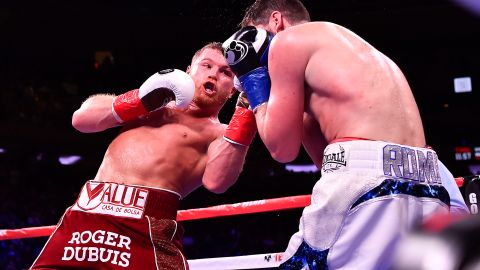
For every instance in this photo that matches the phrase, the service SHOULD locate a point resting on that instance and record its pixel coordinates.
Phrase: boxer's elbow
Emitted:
(78, 122)
(83, 123)
(282, 148)
(218, 176)
(283, 157)
(215, 187)
(283, 153)
(219, 183)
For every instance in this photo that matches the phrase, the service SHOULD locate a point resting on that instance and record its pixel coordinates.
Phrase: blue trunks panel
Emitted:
(305, 255)
(392, 187)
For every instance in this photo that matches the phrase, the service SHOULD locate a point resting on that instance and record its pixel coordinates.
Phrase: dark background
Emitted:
(48, 67)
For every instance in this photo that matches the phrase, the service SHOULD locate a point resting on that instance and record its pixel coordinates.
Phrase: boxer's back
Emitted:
(165, 151)
(353, 90)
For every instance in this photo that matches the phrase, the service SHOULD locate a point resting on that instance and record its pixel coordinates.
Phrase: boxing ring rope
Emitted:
(225, 263)
(259, 206)
(255, 261)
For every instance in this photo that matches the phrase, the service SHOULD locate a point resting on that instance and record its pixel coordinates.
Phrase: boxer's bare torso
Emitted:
(166, 150)
(171, 148)
(345, 86)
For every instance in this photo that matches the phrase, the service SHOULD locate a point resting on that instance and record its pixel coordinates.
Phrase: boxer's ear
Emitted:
(276, 22)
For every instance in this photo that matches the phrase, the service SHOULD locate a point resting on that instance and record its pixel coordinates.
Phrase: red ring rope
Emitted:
(250, 207)
(190, 214)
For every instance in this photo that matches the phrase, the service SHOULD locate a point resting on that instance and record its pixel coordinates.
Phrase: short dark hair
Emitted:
(259, 12)
(211, 45)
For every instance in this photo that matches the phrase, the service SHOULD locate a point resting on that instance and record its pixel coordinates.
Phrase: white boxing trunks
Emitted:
(370, 194)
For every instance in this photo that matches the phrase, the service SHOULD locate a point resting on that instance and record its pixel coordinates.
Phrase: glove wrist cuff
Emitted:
(256, 85)
(242, 127)
(128, 106)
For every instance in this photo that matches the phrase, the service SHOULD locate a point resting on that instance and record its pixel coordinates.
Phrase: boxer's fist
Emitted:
(247, 49)
(165, 86)
(246, 52)
(158, 90)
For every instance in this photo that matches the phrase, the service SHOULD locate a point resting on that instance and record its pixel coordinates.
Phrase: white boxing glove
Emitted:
(158, 90)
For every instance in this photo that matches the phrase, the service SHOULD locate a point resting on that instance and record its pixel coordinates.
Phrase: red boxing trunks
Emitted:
(116, 226)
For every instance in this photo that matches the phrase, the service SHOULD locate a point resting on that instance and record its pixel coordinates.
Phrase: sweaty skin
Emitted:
(333, 85)
(174, 149)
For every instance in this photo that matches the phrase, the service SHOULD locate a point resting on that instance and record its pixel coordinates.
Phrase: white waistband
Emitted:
(383, 159)
(141, 186)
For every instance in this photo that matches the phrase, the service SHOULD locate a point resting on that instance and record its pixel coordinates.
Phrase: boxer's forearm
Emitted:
(260, 119)
(224, 165)
(263, 129)
(95, 114)
(282, 140)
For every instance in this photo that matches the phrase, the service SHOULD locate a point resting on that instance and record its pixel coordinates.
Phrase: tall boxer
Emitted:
(352, 109)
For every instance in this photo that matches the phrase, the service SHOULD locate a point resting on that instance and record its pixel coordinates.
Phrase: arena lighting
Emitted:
(463, 153)
(474, 169)
(2, 150)
(470, 5)
(309, 168)
(476, 151)
(69, 160)
(462, 84)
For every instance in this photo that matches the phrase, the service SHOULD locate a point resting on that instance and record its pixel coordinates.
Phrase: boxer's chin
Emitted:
(204, 100)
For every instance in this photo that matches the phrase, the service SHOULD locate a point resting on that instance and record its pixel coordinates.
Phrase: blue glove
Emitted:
(246, 52)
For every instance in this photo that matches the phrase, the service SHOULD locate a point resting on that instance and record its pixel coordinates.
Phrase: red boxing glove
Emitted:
(242, 127)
